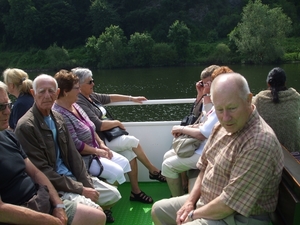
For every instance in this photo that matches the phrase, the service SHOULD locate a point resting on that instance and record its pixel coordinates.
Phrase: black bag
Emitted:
(188, 120)
(191, 118)
(114, 133)
(88, 159)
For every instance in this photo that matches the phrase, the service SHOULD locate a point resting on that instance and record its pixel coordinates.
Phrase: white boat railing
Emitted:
(155, 136)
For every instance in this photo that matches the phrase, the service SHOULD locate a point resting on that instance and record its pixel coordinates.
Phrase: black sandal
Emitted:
(157, 176)
(109, 217)
(141, 197)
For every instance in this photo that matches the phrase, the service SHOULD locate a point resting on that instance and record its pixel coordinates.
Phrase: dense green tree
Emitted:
(140, 47)
(179, 34)
(260, 33)
(21, 23)
(102, 16)
(111, 44)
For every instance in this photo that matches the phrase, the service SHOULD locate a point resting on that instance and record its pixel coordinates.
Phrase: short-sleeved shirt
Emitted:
(16, 187)
(243, 168)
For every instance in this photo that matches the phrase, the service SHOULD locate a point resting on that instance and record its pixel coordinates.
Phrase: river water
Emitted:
(173, 82)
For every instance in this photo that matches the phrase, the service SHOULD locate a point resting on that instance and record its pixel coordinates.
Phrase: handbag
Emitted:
(92, 160)
(191, 118)
(185, 145)
(114, 133)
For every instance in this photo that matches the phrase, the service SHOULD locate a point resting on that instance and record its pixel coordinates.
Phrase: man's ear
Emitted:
(249, 98)
(32, 92)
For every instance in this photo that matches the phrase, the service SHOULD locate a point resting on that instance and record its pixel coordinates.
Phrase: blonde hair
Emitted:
(19, 78)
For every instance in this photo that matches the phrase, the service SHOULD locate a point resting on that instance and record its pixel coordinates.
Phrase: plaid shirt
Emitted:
(243, 168)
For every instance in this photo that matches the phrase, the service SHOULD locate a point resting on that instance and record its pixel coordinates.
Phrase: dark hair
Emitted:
(65, 80)
(276, 80)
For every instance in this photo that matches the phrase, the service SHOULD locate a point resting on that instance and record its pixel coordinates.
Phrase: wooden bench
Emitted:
(288, 207)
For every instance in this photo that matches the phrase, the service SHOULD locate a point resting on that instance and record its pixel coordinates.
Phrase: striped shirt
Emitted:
(82, 129)
(243, 168)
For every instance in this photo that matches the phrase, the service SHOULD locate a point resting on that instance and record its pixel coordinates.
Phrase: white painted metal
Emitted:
(155, 137)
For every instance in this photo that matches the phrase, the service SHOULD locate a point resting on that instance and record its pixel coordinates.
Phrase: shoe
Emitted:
(157, 176)
(109, 217)
(141, 197)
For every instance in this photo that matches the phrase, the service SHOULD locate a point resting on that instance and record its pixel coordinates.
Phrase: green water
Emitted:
(172, 82)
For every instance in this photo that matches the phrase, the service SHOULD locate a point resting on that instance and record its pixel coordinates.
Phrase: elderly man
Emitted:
(50, 147)
(26, 194)
(240, 168)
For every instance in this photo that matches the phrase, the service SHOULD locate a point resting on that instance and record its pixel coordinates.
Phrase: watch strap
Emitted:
(61, 206)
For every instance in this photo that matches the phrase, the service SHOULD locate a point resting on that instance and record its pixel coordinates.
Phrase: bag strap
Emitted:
(198, 119)
(97, 106)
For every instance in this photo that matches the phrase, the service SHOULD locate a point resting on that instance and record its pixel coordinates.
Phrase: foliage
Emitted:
(111, 47)
(220, 55)
(140, 49)
(102, 16)
(260, 34)
(163, 55)
(179, 34)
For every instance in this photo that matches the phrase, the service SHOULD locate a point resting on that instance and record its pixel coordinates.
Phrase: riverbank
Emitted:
(55, 57)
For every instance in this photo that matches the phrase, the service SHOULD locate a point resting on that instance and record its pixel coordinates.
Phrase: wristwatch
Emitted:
(190, 215)
(61, 206)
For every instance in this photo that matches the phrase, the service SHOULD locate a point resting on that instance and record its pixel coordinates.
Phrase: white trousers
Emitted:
(113, 169)
(173, 165)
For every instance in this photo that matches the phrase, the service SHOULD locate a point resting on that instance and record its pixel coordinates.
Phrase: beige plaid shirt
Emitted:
(244, 168)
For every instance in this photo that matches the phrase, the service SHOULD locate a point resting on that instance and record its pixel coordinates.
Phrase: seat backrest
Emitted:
(288, 207)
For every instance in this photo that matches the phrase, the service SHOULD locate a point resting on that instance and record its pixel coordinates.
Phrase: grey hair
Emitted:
(3, 86)
(82, 73)
(40, 77)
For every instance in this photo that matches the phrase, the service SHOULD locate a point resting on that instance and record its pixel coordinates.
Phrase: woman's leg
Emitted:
(173, 166)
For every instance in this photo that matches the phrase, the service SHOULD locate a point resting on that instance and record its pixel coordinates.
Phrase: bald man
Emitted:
(240, 168)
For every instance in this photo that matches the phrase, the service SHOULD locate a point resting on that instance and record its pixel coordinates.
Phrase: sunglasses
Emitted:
(3, 106)
(90, 82)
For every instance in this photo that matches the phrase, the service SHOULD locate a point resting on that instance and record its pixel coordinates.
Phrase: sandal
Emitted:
(157, 176)
(141, 197)
(109, 217)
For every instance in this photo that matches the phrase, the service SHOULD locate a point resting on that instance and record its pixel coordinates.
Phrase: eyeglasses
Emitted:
(90, 82)
(76, 88)
(3, 106)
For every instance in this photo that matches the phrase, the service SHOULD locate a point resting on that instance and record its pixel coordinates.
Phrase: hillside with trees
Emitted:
(70, 31)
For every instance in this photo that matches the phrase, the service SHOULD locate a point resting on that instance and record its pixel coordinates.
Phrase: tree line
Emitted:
(44, 27)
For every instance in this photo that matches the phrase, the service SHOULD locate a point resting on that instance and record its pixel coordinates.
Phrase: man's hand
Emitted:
(90, 193)
(183, 212)
(61, 215)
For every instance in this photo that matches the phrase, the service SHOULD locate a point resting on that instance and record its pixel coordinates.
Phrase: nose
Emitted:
(226, 116)
(6, 110)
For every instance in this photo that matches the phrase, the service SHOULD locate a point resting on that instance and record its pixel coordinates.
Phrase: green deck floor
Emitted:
(126, 212)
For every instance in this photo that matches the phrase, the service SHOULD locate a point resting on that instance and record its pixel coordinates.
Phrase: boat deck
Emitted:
(127, 212)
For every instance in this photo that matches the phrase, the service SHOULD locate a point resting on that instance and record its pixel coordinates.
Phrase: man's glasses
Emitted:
(91, 82)
(3, 106)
